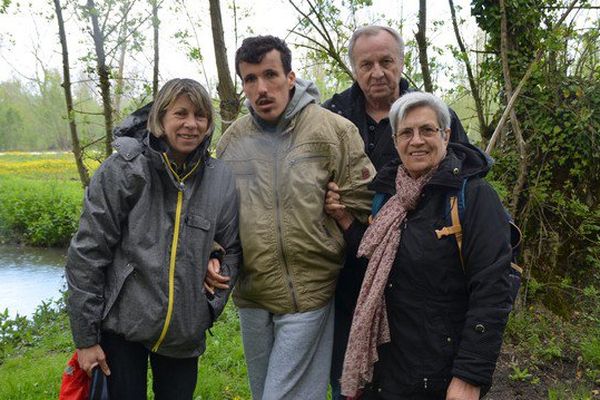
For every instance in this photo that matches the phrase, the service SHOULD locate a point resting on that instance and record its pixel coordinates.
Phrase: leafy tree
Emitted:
(557, 200)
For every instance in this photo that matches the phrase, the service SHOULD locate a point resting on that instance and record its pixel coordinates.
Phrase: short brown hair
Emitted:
(169, 93)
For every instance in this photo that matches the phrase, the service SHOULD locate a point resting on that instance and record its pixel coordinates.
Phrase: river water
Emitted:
(28, 276)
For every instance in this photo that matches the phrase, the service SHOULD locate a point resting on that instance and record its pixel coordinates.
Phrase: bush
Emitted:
(39, 213)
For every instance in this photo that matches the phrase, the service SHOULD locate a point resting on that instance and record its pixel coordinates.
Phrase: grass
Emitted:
(32, 364)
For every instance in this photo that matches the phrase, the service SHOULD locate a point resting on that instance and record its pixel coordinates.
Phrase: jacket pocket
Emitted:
(115, 283)
(197, 221)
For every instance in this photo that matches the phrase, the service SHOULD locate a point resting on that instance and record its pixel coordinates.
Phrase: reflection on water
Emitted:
(29, 276)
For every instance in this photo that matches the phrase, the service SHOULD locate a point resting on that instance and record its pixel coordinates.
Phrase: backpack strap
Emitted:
(378, 201)
(456, 207)
(455, 229)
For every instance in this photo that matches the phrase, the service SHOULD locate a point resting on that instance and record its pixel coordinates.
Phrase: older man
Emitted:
(283, 155)
(376, 57)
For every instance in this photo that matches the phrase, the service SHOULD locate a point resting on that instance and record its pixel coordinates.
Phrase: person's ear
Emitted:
(446, 135)
(291, 78)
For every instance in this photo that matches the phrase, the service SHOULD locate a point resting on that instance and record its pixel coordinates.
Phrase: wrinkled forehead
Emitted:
(374, 45)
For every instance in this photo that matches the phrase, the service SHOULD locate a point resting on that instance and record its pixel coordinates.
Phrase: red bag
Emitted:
(75, 382)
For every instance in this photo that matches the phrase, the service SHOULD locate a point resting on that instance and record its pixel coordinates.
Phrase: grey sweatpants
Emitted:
(288, 355)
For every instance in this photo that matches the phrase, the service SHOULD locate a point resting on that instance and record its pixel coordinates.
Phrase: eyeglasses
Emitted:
(426, 132)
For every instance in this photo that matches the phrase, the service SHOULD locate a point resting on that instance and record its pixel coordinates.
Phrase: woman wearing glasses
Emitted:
(429, 318)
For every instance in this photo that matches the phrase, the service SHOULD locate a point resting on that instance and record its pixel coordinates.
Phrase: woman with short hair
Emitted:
(136, 266)
(430, 318)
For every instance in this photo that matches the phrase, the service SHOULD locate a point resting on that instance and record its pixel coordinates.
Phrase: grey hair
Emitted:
(372, 30)
(411, 100)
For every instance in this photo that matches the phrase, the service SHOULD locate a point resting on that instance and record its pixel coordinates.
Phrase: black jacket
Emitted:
(445, 322)
(351, 104)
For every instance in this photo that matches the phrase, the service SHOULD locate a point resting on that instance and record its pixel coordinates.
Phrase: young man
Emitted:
(283, 155)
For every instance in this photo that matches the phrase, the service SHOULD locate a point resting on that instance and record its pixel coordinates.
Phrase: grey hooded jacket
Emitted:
(292, 250)
(137, 264)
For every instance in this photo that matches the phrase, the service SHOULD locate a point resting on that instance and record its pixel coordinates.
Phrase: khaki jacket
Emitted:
(292, 251)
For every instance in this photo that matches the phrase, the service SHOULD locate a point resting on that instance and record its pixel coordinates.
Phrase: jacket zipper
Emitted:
(173, 256)
(288, 276)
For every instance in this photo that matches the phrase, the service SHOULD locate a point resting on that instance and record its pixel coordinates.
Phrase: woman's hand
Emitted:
(461, 390)
(334, 207)
(213, 279)
(91, 357)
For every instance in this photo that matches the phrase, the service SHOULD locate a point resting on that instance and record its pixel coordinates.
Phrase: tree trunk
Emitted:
(483, 126)
(84, 176)
(103, 75)
(421, 38)
(155, 25)
(516, 126)
(119, 75)
(230, 103)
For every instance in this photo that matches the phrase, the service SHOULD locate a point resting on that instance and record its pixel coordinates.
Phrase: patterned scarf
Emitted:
(370, 327)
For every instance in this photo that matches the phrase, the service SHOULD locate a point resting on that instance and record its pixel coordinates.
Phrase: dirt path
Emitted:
(564, 375)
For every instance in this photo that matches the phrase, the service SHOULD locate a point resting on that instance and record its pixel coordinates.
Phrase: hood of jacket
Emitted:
(135, 126)
(463, 160)
(303, 94)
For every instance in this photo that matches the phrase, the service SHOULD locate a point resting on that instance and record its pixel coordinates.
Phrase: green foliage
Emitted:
(590, 350)
(559, 208)
(519, 374)
(564, 392)
(323, 30)
(534, 333)
(39, 213)
(44, 329)
(34, 352)
(222, 373)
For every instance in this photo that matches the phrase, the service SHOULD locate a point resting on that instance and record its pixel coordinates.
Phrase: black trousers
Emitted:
(173, 378)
